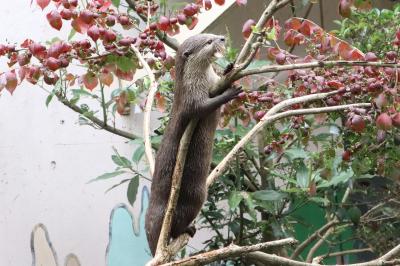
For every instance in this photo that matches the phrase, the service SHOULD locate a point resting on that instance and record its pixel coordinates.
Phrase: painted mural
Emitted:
(127, 244)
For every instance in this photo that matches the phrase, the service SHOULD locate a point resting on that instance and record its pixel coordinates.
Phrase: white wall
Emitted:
(46, 159)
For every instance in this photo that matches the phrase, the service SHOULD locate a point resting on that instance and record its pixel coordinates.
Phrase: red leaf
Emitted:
(11, 81)
(345, 8)
(193, 23)
(26, 43)
(90, 81)
(54, 19)
(161, 103)
(79, 25)
(106, 77)
(128, 76)
(43, 3)
(355, 55)
(293, 24)
(241, 2)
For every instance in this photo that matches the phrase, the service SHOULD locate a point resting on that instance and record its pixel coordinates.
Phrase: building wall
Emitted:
(47, 158)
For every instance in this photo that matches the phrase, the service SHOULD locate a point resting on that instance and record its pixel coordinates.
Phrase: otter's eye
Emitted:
(209, 42)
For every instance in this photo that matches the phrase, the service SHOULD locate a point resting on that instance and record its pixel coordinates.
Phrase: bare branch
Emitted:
(164, 252)
(229, 252)
(278, 68)
(340, 253)
(319, 243)
(268, 259)
(273, 6)
(147, 110)
(270, 117)
(98, 121)
(311, 238)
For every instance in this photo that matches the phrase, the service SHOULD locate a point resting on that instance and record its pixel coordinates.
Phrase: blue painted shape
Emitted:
(127, 241)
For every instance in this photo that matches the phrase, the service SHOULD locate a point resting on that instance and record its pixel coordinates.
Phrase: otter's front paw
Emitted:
(190, 230)
(228, 68)
(233, 92)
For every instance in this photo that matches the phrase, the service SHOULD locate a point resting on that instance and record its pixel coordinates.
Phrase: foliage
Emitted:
(306, 161)
(361, 29)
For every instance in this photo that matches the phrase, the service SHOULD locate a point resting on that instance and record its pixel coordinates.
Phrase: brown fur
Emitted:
(194, 78)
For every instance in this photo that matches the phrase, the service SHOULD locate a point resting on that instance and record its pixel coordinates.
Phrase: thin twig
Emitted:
(278, 68)
(270, 117)
(340, 253)
(311, 238)
(147, 110)
(229, 252)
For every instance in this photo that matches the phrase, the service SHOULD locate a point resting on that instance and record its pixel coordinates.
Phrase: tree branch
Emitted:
(340, 253)
(98, 121)
(229, 252)
(273, 260)
(147, 110)
(164, 252)
(278, 68)
(270, 117)
(319, 243)
(273, 6)
(311, 238)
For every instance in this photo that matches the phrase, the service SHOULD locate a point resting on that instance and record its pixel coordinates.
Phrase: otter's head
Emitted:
(201, 49)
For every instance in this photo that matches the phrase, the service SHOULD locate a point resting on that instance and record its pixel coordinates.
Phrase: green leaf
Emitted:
(124, 63)
(133, 189)
(116, 3)
(81, 92)
(296, 153)
(250, 206)
(49, 98)
(354, 214)
(116, 185)
(121, 161)
(319, 200)
(71, 34)
(341, 177)
(107, 176)
(138, 154)
(268, 195)
(302, 176)
(234, 200)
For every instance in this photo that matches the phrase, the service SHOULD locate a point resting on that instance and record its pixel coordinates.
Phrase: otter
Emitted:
(194, 78)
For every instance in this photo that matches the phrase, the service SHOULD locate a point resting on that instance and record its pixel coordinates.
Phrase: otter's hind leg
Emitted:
(154, 220)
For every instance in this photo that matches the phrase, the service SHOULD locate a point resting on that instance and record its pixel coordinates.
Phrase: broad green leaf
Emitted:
(124, 63)
(250, 205)
(341, 177)
(302, 175)
(121, 161)
(234, 200)
(296, 153)
(268, 195)
(107, 176)
(133, 189)
(138, 154)
(116, 3)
